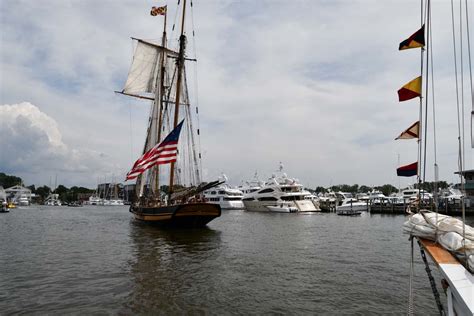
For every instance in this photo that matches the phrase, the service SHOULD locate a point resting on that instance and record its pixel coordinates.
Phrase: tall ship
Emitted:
(168, 174)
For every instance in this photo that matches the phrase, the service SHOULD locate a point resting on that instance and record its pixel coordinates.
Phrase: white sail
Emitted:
(143, 73)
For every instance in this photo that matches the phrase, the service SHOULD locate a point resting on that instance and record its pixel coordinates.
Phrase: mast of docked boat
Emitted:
(420, 129)
(180, 66)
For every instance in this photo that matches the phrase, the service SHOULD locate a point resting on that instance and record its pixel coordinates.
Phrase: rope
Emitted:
(430, 56)
(432, 281)
(410, 288)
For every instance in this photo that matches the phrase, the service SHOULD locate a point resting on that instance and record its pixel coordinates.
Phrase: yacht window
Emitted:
(265, 191)
(291, 198)
(249, 199)
(268, 198)
(221, 192)
(213, 192)
(232, 199)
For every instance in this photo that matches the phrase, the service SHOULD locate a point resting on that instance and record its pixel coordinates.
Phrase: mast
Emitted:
(180, 65)
(160, 111)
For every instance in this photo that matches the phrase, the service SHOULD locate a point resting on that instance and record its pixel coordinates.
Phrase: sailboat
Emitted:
(158, 74)
(448, 241)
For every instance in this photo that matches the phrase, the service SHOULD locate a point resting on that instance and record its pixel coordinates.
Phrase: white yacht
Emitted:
(345, 202)
(53, 200)
(112, 202)
(225, 196)
(94, 200)
(280, 194)
(410, 195)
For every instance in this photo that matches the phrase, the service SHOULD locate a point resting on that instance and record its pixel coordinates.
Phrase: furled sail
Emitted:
(143, 73)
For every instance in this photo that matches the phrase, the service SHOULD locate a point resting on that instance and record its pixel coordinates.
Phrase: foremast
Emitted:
(180, 68)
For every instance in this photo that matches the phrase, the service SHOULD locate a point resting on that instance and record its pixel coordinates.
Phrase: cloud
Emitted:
(309, 83)
(32, 147)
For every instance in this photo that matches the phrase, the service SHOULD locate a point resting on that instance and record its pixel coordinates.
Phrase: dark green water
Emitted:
(98, 260)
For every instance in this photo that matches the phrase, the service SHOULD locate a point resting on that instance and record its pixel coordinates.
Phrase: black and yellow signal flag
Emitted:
(410, 90)
(412, 132)
(414, 41)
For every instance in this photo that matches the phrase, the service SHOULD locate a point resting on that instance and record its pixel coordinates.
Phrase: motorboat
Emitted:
(279, 193)
(226, 196)
(345, 202)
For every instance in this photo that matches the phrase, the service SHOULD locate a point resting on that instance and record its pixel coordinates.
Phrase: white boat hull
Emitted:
(354, 207)
(264, 206)
(306, 206)
(228, 205)
(282, 209)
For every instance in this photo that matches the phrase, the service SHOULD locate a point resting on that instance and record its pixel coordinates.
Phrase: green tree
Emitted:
(7, 181)
(320, 190)
(43, 191)
(63, 192)
(364, 189)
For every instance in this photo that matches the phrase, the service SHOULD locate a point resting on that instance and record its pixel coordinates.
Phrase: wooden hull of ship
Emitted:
(179, 215)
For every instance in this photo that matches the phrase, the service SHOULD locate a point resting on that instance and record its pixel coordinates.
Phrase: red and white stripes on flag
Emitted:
(162, 153)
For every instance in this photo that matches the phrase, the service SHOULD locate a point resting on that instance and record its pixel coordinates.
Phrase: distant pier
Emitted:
(385, 207)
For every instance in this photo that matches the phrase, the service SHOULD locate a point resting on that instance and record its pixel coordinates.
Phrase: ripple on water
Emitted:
(97, 260)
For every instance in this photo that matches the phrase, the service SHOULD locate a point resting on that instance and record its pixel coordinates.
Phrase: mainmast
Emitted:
(180, 66)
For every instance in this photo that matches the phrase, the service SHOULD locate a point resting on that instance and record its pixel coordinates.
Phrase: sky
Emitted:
(310, 84)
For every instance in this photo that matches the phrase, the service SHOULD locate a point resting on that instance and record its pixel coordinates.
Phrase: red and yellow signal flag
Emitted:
(412, 132)
(415, 40)
(158, 10)
(410, 90)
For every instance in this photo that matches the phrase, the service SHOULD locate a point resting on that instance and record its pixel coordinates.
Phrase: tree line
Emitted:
(386, 189)
(65, 194)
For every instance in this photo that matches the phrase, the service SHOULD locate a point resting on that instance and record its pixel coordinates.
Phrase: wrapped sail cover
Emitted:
(145, 68)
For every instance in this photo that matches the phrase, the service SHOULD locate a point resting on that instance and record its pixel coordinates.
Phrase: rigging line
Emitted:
(420, 136)
(131, 133)
(196, 91)
(455, 68)
(428, 51)
(430, 55)
(459, 119)
(470, 71)
(410, 286)
(175, 19)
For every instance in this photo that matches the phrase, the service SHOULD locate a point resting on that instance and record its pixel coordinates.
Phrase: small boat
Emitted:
(3, 208)
(348, 212)
(348, 203)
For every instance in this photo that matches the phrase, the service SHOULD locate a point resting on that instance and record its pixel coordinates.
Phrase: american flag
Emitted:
(163, 153)
(158, 11)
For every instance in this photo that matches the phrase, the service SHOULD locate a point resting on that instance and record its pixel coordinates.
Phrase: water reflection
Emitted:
(170, 265)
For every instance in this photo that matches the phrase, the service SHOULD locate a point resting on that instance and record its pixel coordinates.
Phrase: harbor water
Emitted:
(99, 260)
